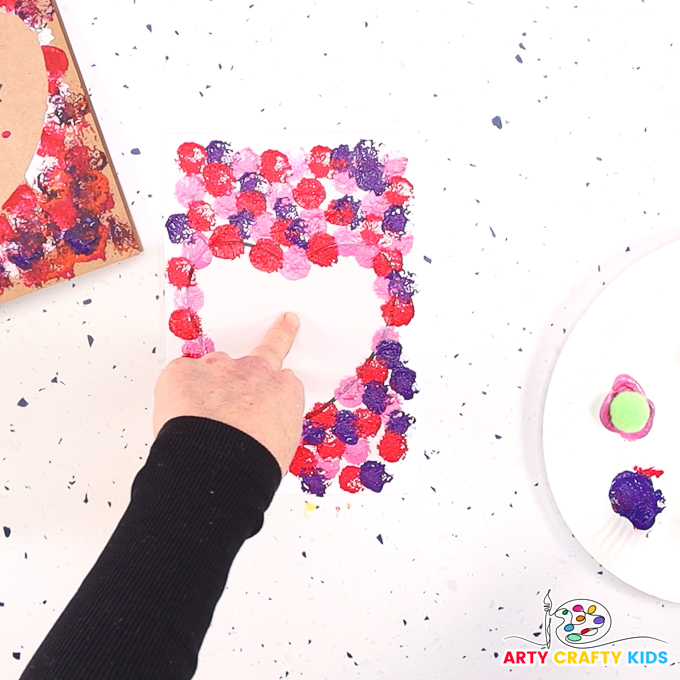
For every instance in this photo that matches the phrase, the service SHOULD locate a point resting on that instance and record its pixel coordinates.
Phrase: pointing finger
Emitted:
(278, 340)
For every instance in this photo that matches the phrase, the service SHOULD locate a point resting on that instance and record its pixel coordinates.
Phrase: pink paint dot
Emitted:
(6, 134)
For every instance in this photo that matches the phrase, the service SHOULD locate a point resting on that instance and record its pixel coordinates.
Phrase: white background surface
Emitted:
(523, 226)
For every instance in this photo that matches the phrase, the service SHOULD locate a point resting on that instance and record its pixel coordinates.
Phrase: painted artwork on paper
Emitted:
(62, 212)
(289, 214)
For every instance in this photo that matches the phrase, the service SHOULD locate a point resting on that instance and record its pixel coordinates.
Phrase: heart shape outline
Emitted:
(276, 214)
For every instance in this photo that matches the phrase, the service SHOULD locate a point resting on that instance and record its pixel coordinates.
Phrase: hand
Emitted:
(252, 394)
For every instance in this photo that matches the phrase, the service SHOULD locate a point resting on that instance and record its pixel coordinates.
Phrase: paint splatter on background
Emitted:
(70, 216)
(291, 212)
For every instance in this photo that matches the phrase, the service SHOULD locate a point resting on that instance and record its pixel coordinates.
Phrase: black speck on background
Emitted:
(22, 402)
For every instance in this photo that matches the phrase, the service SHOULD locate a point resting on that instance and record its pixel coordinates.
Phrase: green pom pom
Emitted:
(629, 411)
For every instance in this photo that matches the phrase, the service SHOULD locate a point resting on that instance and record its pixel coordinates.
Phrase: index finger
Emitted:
(278, 340)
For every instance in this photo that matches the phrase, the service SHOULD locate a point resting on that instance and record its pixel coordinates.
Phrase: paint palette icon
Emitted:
(582, 622)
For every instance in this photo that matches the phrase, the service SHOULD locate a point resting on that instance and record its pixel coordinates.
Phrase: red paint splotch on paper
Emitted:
(67, 215)
(293, 212)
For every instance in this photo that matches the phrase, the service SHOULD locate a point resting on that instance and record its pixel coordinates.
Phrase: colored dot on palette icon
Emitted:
(6, 134)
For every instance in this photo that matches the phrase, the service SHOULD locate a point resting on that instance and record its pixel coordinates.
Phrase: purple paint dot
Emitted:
(84, 237)
(375, 397)
(218, 152)
(178, 228)
(341, 158)
(399, 422)
(632, 495)
(296, 233)
(285, 209)
(390, 352)
(395, 220)
(312, 435)
(244, 220)
(314, 483)
(400, 285)
(402, 381)
(344, 428)
(366, 168)
(373, 476)
(253, 181)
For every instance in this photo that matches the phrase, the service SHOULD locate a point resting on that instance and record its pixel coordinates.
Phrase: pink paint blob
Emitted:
(295, 264)
(191, 298)
(6, 134)
(395, 166)
(374, 205)
(198, 347)
(189, 188)
(315, 221)
(344, 183)
(262, 227)
(245, 160)
(356, 453)
(381, 288)
(225, 206)
(196, 250)
(350, 392)
(624, 383)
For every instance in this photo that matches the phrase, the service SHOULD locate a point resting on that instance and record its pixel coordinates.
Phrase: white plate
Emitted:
(632, 327)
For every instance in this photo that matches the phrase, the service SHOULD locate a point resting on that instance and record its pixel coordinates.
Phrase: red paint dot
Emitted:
(185, 324)
(274, 166)
(349, 479)
(181, 272)
(323, 415)
(392, 447)
(309, 194)
(192, 158)
(320, 161)
(252, 201)
(225, 242)
(397, 312)
(6, 134)
(372, 369)
(367, 423)
(266, 255)
(303, 461)
(323, 250)
(387, 261)
(331, 449)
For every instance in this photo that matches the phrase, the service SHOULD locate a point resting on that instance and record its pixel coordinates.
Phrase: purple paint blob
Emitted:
(351, 203)
(178, 228)
(296, 233)
(341, 158)
(366, 168)
(400, 285)
(218, 152)
(390, 352)
(402, 381)
(344, 428)
(312, 435)
(633, 496)
(314, 483)
(399, 422)
(373, 476)
(285, 209)
(244, 220)
(253, 181)
(375, 397)
(395, 220)
(84, 237)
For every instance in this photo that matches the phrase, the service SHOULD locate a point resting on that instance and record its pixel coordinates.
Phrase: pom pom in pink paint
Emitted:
(626, 410)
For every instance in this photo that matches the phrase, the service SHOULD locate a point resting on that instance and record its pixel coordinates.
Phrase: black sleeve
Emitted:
(143, 610)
